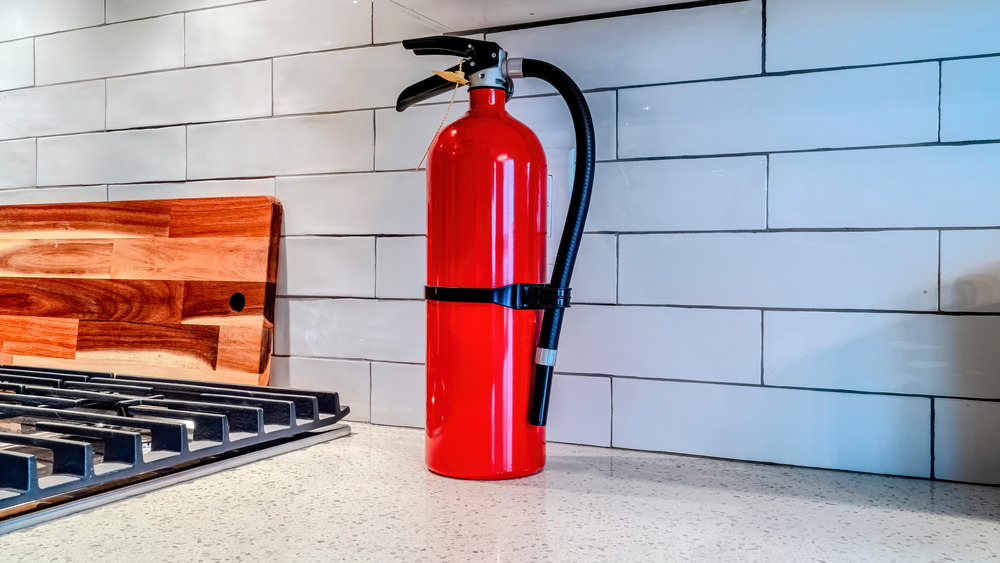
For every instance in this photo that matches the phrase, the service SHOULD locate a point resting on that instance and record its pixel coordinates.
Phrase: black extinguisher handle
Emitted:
(479, 52)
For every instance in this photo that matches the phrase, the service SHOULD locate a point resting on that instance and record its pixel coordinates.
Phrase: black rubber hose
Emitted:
(579, 203)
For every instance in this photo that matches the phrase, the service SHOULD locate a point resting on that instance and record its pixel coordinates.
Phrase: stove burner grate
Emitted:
(65, 434)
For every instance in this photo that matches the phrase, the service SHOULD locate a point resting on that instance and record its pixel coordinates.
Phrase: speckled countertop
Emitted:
(368, 497)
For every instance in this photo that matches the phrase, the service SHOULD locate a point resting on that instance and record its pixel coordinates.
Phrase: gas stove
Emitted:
(73, 440)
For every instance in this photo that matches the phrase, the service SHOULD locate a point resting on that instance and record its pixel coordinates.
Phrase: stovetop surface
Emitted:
(66, 434)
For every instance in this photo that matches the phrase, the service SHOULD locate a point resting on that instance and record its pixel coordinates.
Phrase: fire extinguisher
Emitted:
(492, 322)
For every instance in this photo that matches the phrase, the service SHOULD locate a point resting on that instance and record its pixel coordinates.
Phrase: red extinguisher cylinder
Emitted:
(486, 229)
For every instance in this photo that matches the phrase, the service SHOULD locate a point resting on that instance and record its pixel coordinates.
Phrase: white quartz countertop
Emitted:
(368, 497)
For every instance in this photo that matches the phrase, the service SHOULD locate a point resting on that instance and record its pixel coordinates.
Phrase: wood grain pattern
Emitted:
(227, 217)
(55, 258)
(229, 259)
(211, 302)
(38, 336)
(240, 348)
(148, 301)
(179, 345)
(87, 220)
(141, 287)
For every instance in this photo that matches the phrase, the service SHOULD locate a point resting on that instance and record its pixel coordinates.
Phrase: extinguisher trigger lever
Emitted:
(482, 66)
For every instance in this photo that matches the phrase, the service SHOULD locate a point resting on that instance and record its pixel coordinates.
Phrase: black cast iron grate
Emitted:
(64, 433)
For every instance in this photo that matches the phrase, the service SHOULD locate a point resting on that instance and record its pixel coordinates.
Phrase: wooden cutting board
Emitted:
(171, 288)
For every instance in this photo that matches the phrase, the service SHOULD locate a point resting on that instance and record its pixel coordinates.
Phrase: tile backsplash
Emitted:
(793, 253)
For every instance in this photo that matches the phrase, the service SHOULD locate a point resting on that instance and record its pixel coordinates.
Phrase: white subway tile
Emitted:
(354, 204)
(393, 22)
(187, 96)
(279, 372)
(17, 64)
(275, 27)
(24, 18)
(75, 194)
(580, 410)
(870, 433)
(883, 353)
(53, 110)
(282, 326)
(398, 394)
(392, 331)
(595, 277)
(702, 194)
(351, 380)
(844, 108)
(966, 441)
(401, 269)
(217, 188)
(367, 77)
(670, 46)
(970, 107)
(549, 118)
(876, 270)
(327, 266)
(121, 10)
(122, 156)
(662, 343)
(970, 279)
(17, 163)
(944, 186)
(111, 50)
(813, 33)
(403, 137)
(290, 145)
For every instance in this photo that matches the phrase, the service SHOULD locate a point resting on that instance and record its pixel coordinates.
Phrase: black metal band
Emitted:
(515, 296)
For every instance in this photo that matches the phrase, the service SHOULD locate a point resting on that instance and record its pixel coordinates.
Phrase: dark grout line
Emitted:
(763, 36)
(785, 387)
(940, 81)
(762, 348)
(684, 306)
(350, 359)
(798, 230)
(811, 150)
(597, 16)
(767, 191)
(933, 417)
